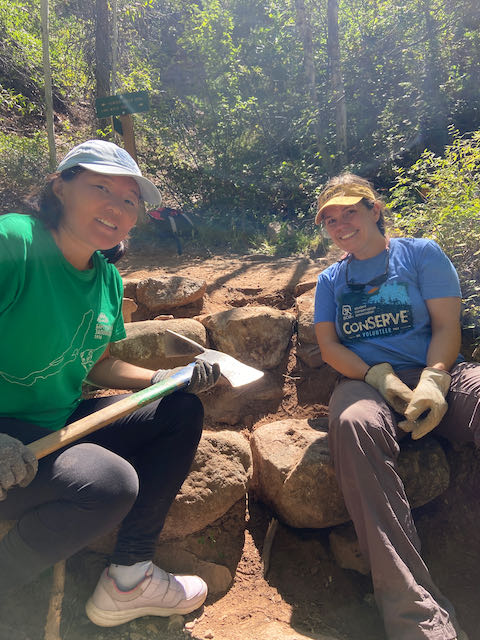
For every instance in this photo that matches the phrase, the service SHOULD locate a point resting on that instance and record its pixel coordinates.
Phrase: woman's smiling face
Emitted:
(354, 228)
(98, 210)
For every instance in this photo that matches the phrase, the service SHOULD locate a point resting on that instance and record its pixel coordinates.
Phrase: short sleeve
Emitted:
(324, 299)
(436, 274)
(118, 332)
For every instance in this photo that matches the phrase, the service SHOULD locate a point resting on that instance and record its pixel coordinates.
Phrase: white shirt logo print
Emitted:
(103, 327)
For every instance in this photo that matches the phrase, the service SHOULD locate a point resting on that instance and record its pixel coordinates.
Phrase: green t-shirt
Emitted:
(55, 322)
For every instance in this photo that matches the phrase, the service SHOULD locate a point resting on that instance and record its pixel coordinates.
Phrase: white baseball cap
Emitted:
(108, 158)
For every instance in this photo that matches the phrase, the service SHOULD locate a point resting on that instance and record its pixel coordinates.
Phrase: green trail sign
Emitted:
(122, 103)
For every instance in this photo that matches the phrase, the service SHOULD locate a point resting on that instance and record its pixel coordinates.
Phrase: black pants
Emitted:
(128, 472)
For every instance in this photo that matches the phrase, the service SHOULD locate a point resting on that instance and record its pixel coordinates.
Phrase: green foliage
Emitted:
(439, 197)
(234, 132)
(23, 165)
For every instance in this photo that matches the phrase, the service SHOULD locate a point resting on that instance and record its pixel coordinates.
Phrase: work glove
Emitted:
(383, 378)
(204, 376)
(428, 396)
(18, 465)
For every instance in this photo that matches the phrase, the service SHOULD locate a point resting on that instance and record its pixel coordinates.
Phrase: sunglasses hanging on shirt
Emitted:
(374, 282)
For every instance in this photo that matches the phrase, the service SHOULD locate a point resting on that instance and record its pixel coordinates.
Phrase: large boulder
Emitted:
(163, 293)
(219, 476)
(293, 473)
(218, 479)
(144, 345)
(258, 336)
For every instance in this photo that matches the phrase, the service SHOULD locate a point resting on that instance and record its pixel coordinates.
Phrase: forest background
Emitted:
(255, 103)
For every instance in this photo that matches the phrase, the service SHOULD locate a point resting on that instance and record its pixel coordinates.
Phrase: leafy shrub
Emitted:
(439, 197)
(23, 165)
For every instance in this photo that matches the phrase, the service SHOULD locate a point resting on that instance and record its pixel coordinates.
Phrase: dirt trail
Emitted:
(305, 595)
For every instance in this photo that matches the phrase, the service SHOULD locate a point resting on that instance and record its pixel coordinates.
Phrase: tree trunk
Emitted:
(434, 121)
(305, 30)
(103, 52)
(338, 89)
(48, 85)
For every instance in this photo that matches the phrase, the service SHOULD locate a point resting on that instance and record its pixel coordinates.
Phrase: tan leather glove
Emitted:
(383, 378)
(428, 395)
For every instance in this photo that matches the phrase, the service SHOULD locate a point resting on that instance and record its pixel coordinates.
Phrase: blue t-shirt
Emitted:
(388, 322)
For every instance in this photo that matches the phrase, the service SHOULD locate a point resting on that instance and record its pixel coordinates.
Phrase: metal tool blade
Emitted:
(236, 372)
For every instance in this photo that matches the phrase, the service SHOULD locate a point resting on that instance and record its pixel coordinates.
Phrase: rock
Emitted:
(144, 345)
(304, 306)
(175, 623)
(345, 548)
(130, 288)
(310, 355)
(160, 294)
(303, 287)
(423, 467)
(292, 473)
(171, 557)
(258, 336)
(219, 476)
(218, 479)
(227, 405)
(128, 307)
(273, 230)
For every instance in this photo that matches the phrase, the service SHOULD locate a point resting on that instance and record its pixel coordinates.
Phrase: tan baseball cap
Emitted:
(343, 195)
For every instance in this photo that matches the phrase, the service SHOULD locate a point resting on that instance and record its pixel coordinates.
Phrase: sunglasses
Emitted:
(374, 282)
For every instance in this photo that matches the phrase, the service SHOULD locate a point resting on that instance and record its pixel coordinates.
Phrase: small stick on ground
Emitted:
(267, 545)
(54, 615)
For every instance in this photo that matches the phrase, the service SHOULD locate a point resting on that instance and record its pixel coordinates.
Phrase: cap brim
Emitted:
(341, 200)
(148, 190)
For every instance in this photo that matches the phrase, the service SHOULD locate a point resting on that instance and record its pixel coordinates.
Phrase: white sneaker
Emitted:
(158, 594)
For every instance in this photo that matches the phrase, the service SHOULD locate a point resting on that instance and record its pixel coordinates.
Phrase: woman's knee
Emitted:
(188, 411)
(359, 421)
(94, 477)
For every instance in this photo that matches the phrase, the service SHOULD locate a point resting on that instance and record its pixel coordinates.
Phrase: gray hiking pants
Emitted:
(364, 446)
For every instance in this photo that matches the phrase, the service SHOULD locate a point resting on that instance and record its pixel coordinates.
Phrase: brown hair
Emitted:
(345, 182)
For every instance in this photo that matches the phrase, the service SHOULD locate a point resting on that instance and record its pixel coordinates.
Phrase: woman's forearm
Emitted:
(344, 361)
(112, 373)
(446, 332)
(444, 348)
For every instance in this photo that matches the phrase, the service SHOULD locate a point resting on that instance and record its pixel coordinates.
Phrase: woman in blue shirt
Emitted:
(387, 317)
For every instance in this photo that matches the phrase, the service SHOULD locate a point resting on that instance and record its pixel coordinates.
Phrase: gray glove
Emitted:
(204, 376)
(18, 465)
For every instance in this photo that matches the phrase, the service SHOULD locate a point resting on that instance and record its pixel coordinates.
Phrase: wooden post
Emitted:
(54, 614)
(48, 85)
(129, 135)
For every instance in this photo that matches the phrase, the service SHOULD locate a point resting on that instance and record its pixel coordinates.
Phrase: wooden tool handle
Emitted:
(80, 428)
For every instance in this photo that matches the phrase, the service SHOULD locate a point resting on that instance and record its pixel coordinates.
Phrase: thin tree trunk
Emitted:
(338, 89)
(305, 30)
(48, 85)
(103, 52)
(434, 121)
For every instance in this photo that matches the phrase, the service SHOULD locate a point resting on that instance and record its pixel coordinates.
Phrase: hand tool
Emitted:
(233, 370)
(80, 428)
